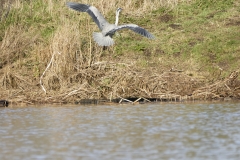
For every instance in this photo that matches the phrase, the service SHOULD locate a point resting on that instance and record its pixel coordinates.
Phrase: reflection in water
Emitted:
(152, 131)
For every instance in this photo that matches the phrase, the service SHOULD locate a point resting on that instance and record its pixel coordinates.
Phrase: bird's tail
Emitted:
(102, 40)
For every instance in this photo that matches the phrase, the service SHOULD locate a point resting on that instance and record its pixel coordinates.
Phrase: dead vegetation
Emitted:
(228, 87)
(111, 81)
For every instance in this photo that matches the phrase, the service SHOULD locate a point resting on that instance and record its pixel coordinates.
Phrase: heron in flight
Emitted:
(104, 38)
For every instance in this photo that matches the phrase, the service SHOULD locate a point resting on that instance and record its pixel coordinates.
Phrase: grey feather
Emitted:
(91, 10)
(134, 28)
(104, 38)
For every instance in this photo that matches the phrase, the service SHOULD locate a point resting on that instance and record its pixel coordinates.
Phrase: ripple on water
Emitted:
(153, 131)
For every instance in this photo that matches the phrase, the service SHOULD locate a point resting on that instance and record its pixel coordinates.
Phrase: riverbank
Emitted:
(48, 55)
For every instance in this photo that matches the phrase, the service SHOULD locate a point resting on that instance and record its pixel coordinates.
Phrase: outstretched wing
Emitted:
(134, 28)
(91, 10)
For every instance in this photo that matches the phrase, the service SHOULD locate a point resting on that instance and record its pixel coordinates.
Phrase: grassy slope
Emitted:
(200, 38)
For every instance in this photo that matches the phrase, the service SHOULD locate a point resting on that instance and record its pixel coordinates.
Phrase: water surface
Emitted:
(149, 131)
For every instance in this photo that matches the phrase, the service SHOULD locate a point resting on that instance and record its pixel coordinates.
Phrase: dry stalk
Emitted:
(218, 89)
(49, 64)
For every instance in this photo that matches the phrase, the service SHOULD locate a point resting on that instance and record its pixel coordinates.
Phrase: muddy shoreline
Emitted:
(131, 101)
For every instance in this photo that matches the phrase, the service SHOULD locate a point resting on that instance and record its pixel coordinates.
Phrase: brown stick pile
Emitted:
(229, 87)
(108, 81)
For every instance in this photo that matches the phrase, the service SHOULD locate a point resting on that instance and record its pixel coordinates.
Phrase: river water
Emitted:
(122, 132)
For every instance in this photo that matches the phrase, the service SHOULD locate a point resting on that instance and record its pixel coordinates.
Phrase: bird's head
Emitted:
(119, 9)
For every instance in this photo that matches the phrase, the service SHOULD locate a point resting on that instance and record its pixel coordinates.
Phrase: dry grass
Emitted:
(229, 87)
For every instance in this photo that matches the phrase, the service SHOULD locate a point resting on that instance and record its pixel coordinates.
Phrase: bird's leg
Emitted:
(104, 48)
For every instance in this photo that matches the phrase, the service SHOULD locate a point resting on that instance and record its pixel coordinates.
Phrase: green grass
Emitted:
(204, 34)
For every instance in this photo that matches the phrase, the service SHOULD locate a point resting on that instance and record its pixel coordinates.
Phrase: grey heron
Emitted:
(104, 38)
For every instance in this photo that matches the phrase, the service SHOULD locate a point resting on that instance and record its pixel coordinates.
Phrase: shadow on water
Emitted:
(4, 103)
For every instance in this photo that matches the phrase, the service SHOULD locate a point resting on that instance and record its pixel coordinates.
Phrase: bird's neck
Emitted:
(117, 15)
